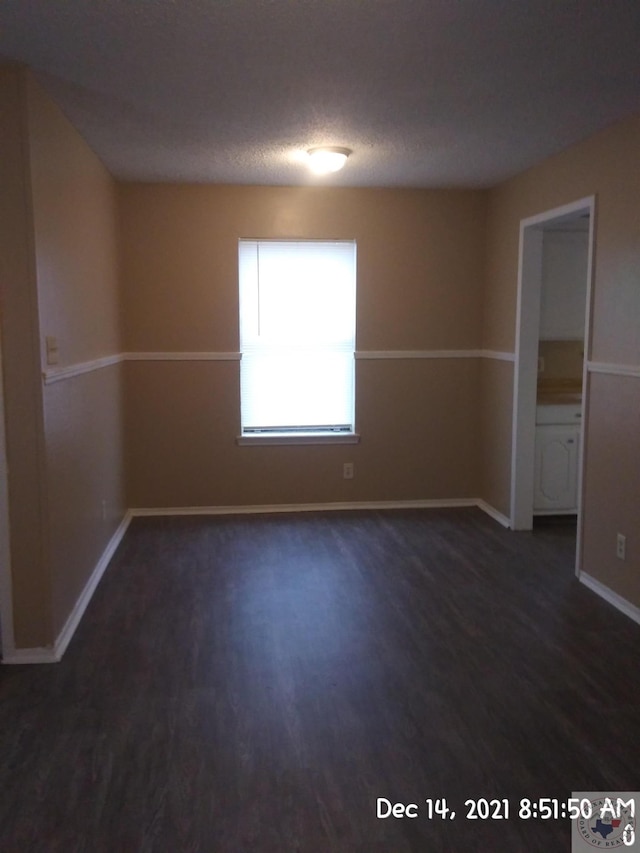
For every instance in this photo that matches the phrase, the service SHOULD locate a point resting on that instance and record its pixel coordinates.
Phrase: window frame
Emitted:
(302, 435)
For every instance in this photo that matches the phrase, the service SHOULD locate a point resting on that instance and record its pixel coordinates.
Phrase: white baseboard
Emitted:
(611, 597)
(64, 637)
(495, 514)
(54, 654)
(336, 506)
(46, 654)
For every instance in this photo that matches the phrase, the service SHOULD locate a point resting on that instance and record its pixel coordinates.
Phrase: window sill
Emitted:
(306, 438)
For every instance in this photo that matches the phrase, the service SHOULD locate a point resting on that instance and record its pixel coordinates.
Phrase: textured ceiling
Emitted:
(427, 93)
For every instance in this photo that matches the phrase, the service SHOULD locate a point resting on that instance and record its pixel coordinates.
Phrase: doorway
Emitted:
(531, 274)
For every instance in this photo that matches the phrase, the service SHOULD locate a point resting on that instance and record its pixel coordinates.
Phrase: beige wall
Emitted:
(420, 260)
(420, 267)
(613, 483)
(75, 229)
(59, 277)
(21, 373)
(74, 212)
(496, 425)
(562, 360)
(84, 468)
(605, 165)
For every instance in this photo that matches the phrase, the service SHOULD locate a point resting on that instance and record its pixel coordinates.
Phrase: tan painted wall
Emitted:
(420, 268)
(21, 373)
(606, 165)
(496, 425)
(75, 228)
(613, 483)
(562, 360)
(74, 211)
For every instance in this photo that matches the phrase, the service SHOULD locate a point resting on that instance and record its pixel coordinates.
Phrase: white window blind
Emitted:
(297, 335)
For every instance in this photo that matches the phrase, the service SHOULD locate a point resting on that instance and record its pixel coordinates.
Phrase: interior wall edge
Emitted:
(24, 410)
(54, 653)
(72, 217)
(73, 620)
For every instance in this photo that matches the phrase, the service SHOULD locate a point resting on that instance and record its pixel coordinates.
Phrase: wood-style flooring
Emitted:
(255, 683)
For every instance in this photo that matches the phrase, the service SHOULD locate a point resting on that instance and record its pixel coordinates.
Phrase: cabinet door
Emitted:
(556, 468)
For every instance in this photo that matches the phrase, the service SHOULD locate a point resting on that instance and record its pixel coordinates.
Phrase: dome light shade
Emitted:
(325, 160)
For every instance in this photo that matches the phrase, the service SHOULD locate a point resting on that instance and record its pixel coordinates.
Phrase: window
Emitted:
(297, 337)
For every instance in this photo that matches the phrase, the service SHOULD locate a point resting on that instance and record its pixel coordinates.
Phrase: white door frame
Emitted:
(6, 593)
(526, 364)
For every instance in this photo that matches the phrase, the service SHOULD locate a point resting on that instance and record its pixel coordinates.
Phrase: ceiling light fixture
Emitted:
(325, 160)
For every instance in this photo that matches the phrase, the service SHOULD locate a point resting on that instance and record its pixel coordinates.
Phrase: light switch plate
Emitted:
(51, 344)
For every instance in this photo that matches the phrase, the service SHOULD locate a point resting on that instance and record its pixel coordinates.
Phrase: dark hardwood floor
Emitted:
(255, 683)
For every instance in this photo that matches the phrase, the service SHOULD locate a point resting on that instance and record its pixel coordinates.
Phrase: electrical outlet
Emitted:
(347, 471)
(621, 547)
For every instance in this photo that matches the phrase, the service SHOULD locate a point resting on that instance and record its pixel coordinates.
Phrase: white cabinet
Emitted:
(557, 456)
(556, 468)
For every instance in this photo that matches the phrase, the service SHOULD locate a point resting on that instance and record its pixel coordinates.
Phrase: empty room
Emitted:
(319, 426)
